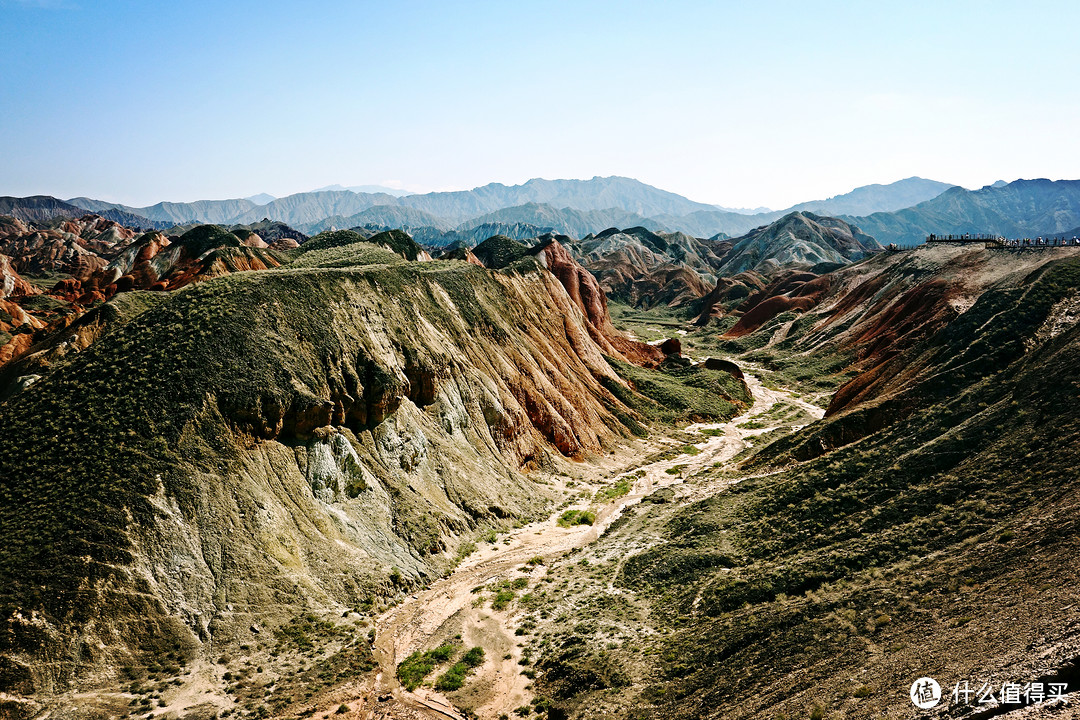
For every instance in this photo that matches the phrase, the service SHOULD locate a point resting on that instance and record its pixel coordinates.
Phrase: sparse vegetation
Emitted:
(413, 669)
(577, 517)
(454, 678)
(679, 393)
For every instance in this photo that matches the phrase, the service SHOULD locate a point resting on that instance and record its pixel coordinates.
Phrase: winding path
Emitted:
(447, 606)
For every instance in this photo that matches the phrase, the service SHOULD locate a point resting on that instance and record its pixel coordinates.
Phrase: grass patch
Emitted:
(502, 599)
(571, 518)
(413, 669)
(680, 393)
(618, 490)
(454, 678)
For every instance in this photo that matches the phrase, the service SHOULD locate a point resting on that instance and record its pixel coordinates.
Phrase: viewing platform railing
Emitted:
(965, 238)
(999, 242)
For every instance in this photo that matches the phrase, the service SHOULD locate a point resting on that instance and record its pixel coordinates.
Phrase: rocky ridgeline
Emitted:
(314, 436)
(646, 269)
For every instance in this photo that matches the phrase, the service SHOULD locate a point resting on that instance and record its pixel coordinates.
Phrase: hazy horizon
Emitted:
(372, 188)
(724, 104)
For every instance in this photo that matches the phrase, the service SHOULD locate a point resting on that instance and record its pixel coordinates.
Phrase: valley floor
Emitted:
(451, 607)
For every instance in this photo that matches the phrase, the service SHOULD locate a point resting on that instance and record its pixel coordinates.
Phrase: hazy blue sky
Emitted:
(737, 103)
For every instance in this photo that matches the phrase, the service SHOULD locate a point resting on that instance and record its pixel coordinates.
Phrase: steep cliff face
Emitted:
(583, 288)
(12, 285)
(305, 437)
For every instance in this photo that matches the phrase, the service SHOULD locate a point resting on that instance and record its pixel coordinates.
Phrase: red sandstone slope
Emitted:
(791, 291)
(586, 293)
(12, 285)
(74, 247)
(17, 326)
(874, 312)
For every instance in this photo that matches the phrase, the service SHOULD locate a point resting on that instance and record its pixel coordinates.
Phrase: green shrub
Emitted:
(413, 669)
(454, 678)
(502, 600)
(576, 517)
(618, 490)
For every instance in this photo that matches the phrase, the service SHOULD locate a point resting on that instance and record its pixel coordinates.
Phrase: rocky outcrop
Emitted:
(461, 253)
(586, 293)
(671, 346)
(12, 285)
(725, 365)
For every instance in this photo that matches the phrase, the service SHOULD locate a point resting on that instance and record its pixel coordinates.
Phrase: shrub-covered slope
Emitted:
(935, 541)
(306, 436)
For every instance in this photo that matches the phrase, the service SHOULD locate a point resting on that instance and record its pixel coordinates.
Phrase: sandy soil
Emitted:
(447, 609)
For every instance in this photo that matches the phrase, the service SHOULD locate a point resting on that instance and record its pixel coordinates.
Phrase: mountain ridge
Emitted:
(656, 208)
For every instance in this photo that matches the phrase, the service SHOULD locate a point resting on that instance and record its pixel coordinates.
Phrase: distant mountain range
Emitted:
(365, 189)
(902, 212)
(1023, 208)
(876, 198)
(572, 207)
(43, 208)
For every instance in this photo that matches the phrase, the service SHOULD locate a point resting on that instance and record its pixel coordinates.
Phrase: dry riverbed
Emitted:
(457, 607)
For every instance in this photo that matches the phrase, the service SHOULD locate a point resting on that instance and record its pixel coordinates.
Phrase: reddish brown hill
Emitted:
(728, 294)
(17, 327)
(103, 259)
(877, 319)
(792, 290)
(74, 247)
(586, 293)
(156, 262)
(12, 285)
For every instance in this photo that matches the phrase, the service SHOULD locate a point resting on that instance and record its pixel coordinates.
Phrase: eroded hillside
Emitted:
(921, 531)
(321, 436)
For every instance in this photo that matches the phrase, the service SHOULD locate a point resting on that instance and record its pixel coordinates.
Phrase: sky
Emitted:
(735, 103)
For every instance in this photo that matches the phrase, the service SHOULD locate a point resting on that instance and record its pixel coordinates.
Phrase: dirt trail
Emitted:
(446, 607)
